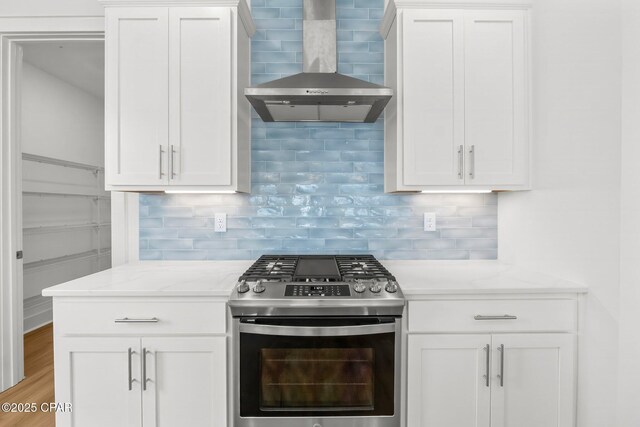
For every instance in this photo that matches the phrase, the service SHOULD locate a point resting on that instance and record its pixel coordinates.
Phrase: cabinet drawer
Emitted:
(138, 317)
(553, 315)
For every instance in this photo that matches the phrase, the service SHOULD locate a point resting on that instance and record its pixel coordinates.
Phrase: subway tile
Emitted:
(158, 233)
(286, 166)
(368, 167)
(322, 222)
(243, 233)
(264, 46)
(369, 134)
(269, 57)
(348, 178)
(367, 68)
(326, 167)
(283, 68)
(273, 222)
(376, 13)
(266, 12)
(302, 145)
(264, 155)
(351, 13)
(336, 133)
(387, 233)
(309, 244)
(259, 244)
(344, 35)
(150, 223)
(150, 255)
(215, 244)
(338, 244)
(282, 3)
(228, 254)
(348, 145)
(478, 211)
(361, 222)
(257, 79)
(276, 24)
(362, 156)
(287, 233)
(283, 35)
(361, 189)
(291, 12)
(265, 177)
(331, 200)
(388, 244)
(367, 36)
(469, 233)
(347, 212)
(318, 189)
(330, 233)
(184, 222)
(300, 211)
(294, 133)
(269, 211)
(318, 156)
(477, 243)
(301, 177)
(170, 244)
(376, 46)
(291, 46)
(434, 244)
(344, 4)
(398, 211)
(369, 4)
(350, 46)
(174, 211)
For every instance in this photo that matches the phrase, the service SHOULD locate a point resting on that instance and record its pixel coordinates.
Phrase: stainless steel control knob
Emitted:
(359, 287)
(375, 288)
(259, 288)
(243, 287)
(392, 287)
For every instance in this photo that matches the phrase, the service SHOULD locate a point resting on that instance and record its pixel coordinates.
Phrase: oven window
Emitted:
(293, 376)
(317, 378)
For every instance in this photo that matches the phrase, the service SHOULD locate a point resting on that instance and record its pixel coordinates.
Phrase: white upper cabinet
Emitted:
(459, 118)
(176, 118)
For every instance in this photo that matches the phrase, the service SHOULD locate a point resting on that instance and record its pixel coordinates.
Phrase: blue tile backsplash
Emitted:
(317, 187)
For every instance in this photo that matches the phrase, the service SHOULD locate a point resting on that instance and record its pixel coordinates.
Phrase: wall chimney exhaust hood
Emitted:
(319, 93)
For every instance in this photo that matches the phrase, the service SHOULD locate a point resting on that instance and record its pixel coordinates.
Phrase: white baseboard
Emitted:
(38, 311)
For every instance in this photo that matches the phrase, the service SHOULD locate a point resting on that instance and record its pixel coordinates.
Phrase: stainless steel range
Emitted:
(317, 343)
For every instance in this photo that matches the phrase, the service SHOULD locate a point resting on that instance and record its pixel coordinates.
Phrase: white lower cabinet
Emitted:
(473, 373)
(133, 362)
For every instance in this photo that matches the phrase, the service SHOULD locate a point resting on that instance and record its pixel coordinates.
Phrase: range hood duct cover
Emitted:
(319, 93)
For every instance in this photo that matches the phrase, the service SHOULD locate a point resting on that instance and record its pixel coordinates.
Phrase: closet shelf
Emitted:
(60, 162)
(67, 258)
(50, 194)
(63, 227)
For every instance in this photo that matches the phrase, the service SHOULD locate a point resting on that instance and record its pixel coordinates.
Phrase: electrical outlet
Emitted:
(220, 223)
(429, 221)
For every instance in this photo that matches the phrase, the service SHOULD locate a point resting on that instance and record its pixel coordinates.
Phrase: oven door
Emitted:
(323, 369)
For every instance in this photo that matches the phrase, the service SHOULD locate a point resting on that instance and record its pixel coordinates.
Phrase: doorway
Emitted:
(15, 35)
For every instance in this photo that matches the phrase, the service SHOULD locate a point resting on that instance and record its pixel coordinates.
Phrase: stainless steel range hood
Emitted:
(319, 93)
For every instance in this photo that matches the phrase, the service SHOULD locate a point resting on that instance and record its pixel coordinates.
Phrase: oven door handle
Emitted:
(317, 331)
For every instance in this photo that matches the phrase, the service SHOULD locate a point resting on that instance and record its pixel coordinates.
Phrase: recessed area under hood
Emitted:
(319, 93)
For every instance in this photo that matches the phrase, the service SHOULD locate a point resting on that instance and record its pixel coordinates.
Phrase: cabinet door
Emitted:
(496, 129)
(101, 379)
(200, 96)
(433, 91)
(446, 382)
(186, 382)
(136, 145)
(538, 380)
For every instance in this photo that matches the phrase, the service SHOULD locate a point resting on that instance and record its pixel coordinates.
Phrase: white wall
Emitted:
(60, 120)
(629, 368)
(568, 226)
(51, 8)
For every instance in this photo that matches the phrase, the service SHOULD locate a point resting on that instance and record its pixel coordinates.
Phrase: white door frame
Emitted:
(14, 31)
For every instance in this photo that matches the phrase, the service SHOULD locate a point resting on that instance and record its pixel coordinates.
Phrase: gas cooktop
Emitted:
(305, 284)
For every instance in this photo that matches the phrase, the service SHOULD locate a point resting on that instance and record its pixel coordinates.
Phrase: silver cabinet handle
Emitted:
(503, 317)
(487, 350)
(173, 160)
(501, 375)
(160, 173)
(128, 320)
(144, 369)
(472, 161)
(460, 161)
(130, 378)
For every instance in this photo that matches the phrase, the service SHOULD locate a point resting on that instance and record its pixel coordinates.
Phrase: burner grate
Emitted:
(285, 268)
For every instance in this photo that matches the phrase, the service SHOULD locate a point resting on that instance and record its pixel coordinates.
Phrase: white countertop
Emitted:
(216, 278)
(157, 278)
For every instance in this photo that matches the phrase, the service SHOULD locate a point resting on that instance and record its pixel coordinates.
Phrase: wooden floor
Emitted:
(37, 387)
